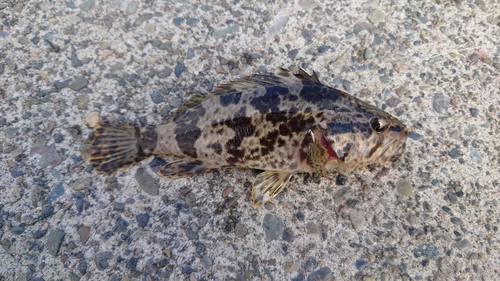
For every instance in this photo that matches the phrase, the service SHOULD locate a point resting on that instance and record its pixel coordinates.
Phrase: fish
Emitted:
(282, 124)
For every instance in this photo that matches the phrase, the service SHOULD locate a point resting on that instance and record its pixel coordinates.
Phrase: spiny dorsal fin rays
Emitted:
(249, 83)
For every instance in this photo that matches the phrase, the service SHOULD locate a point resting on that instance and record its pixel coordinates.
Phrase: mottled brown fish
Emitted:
(282, 123)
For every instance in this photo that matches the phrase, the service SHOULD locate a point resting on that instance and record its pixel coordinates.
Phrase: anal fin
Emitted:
(267, 185)
(183, 168)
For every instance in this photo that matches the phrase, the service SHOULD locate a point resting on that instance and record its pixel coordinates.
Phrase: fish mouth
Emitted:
(394, 148)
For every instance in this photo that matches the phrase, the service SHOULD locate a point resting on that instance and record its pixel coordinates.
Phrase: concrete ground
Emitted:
(431, 215)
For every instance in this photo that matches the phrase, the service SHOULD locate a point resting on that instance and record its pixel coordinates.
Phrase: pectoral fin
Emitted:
(316, 157)
(183, 168)
(267, 185)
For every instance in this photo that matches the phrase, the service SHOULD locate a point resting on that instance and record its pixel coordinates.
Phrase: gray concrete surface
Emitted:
(431, 215)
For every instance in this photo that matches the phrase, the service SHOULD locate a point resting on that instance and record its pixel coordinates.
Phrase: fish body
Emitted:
(281, 123)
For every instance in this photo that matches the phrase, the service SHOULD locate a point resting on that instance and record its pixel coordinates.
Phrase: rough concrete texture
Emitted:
(432, 215)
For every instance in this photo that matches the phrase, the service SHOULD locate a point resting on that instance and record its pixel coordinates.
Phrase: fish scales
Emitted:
(281, 123)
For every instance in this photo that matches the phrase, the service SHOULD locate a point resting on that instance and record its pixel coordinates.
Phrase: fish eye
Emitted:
(378, 125)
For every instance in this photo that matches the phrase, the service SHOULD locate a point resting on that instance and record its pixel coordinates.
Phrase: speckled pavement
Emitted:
(432, 215)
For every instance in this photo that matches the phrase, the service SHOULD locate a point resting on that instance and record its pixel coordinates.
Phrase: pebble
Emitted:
(376, 16)
(11, 132)
(346, 85)
(157, 97)
(474, 112)
(146, 182)
(474, 58)
(368, 54)
(312, 228)
(190, 53)
(178, 20)
(440, 103)
(19, 229)
(206, 261)
(427, 250)
(87, 5)
(142, 220)
(454, 153)
(323, 49)
(75, 62)
(341, 179)
(463, 245)
(16, 193)
(81, 184)
(15, 172)
(102, 260)
(240, 230)
(357, 220)
(415, 136)
(360, 26)
(384, 79)
(54, 240)
(475, 155)
(47, 211)
(121, 225)
(179, 69)
(39, 233)
(322, 274)
(61, 84)
(192, 21)
(84, 232)
(288, 235)
(311, 264)
(273, 227)
(56, 192)
(131, 7)
(456, 221)
(91, 120)
(360, 264)
(307, 34)
(81, 101)
(164, 73)
(78, 83)
(221, 32)
(293, 53)
(191, 234)
(405, 188)
(1, 68)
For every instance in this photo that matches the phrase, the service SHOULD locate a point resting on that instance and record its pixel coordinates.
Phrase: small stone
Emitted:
(463, 245)
(376, 16)
(75, 62)
(190, 53)
(360, 26)
(474, 112)
(206, 261)
(49, 157)
(15, 172)
(178, 20)
(146, 182)
(191, 234)
(322, 274)
(307, 34)
(11, 132)
(142, 220)
(54, 241)
(273, 227)
(474, 58)
(84, 232)
(220, 69)
(357, 220)
(73, 19)
(19, 229)
(164, 73)
(341, 179)
(81, 101)
(346, 85)
(157, 97)
(290, 266)
(384, 79)
(368, 54)
(179, 69)
(475, 155)
(454, 153)
(221, 32)
(440, 103)
(457, 221)
(81, 184)
(82, 267)
(426, 250)
(101, 260)
(392, 102)
(227, 191)
(39, 233)
(312, 228)
(61, 84)
(323, 49)
(79, 83)
(87, 5)
(288, 235)
(415, 136)
(192, 21)
(47, 211)
(405, 188)
(360, 264)
(16, 193)
(121, 225)
(131, 7)
(57, 192)
(293, 53)
(92, 119)
(240, 231)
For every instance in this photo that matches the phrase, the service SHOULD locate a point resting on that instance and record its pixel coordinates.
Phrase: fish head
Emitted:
(361, 138)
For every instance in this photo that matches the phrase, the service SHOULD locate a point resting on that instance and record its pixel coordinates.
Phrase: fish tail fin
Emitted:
(115, 145)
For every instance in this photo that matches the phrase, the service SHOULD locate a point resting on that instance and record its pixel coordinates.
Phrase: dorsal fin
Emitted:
(303, 75)
(249, 83)
(192, 102)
